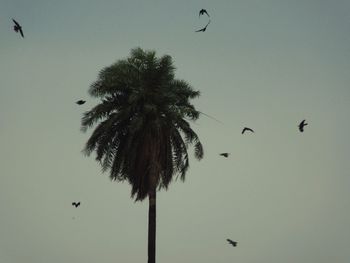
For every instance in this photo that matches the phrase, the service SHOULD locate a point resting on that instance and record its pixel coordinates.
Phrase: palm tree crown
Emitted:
(142, 131)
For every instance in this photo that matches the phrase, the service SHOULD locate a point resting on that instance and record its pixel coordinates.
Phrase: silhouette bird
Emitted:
(233, 243)
(202, 12)
(17, 27)
(80, 102)
(225, 154)
(247, 129)
(204, 28)
(301, 125)
(76, 204)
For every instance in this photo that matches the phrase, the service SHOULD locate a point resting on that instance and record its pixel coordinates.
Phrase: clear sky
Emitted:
(283, 195)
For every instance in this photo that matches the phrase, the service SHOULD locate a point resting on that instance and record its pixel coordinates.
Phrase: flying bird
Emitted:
(225, 154)
(202, 12)
(233, 243)
(80, 102)
(17, 27)
(76, 204)
(246, 129)
(301, 125)
(204, 28)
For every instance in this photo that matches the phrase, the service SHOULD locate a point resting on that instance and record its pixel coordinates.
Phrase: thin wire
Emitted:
(210, 117)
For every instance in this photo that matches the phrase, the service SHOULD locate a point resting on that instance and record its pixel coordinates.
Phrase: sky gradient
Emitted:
(282, 195)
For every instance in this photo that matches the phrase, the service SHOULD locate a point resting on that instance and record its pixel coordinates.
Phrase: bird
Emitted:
(76, 204)
(202, 12)
(204, 28)
(246, 129)
(233, 243)
(80, 102)
(17, 27)
(301, 125)
(225, 154)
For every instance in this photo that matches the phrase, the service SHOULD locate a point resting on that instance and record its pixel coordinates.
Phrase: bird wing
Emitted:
(305, 123)
(14, 21)
(205, 11)
(247, 129)
(20, 30)
(208, 23)
(301, 125)
(200, 30)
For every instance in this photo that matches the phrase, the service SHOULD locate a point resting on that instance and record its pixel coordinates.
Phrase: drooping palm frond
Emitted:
(191, 137)
(100, 112)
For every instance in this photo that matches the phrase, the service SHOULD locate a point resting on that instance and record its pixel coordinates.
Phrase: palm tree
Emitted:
(143, 131)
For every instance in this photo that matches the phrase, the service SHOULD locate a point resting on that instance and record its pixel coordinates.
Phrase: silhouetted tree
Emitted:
(142, 131)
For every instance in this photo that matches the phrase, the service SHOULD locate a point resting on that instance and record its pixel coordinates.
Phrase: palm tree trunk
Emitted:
(152, 226)
(153, 180)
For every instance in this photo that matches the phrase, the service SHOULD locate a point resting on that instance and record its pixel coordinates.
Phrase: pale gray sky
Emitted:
(284, 196)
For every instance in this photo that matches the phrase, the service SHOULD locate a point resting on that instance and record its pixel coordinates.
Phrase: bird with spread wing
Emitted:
(302, 125)
(233, 243)
(247, 129)
(204, 28)
(202, 12)
(17, 27)
(76, 204)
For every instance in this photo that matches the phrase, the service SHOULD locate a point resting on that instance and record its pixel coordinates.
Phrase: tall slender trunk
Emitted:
(153, 181)
(152, 226)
